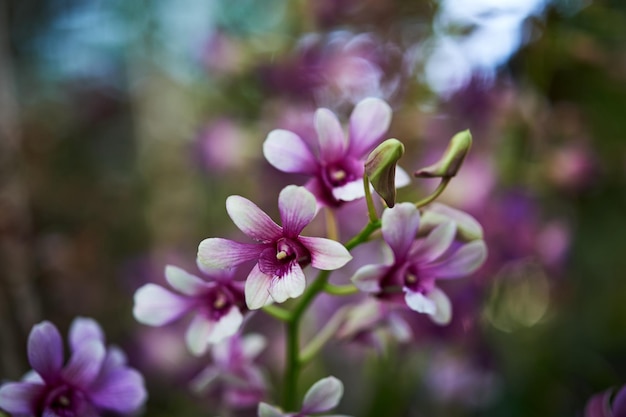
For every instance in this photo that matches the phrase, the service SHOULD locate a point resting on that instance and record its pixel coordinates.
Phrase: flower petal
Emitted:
(45, 350)
(467, 226)
(350, 191)
(20, 397)
(463, 262)
(399, 227)
(419, 302)
(226, 326)
(85, 364)
(198, 333)
(436, 243)
(156, 306)
(266, 410)
(290, 285)
(224, 253)
(252, 345)
(287, 152)
(324, 395)
(185, 282)
(122, 391)
(251, 220)
(599, 405)
(297, 208)
(330, 135)
(326, 254)
(619, 403)
(368, 277)
(369, 121)
(83, 330)
(257, 289)
(443, 306)
(402, 178)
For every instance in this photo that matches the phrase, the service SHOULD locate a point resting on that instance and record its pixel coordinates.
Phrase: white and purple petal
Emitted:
(251, 220)
(198, 334)
(330, 134)
(419, 302)
(224, 253)
(83, 330)
(45, 351)
(349, 191)
(435, 244)
(156, 306)
(368, 277)
(257, 289)
(20, 398)
(185, 282)
(461, 263)
(297, 208)
(443, 306)
(287, 152)
(323, 396)
(369, 121)
(266, 410)
(399, 227)
(290, 285)
(326, 254)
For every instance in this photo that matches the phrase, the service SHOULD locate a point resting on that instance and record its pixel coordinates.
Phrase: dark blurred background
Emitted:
(125, 125)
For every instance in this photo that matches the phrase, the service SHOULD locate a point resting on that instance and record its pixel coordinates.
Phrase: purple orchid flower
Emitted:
(602, 405)
(281, 251)
(95, 379)
(338, 170)
(234, 375)
(417, 264)
(323, 396)
(218, 304)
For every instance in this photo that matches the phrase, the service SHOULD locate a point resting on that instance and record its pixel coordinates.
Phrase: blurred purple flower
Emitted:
(222, 146)
(323, 396)
(417, 264)
(94, 380)
(219, 305)
(338, 169)
(281, 251)
(234, 375)
(602, 405)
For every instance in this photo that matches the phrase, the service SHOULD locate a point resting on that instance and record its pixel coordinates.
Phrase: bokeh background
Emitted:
(125, 125)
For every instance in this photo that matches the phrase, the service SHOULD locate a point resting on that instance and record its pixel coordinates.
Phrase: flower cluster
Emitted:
(95, 380)
(427, 243)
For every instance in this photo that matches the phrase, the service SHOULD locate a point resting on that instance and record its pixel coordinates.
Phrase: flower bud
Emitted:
(452, 158)
(380, 168)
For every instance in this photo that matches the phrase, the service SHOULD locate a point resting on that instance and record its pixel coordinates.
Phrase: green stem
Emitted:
(440, 188)
(371, 210)
(323, 336)
(277, 312)
(340, 289)
(293, 365)
(363, 235)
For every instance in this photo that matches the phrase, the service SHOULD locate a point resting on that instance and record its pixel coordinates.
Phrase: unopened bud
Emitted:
(380, 168)
(452, 158)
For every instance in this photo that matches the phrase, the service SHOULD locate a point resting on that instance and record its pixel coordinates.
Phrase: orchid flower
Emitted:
(94, 381)
(338, 169)
(218, 304)
(418, 263)
(234, 373)
(280, 252)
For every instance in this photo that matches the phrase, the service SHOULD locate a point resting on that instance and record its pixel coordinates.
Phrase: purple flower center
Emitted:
(66, 401)
(336, 175)
(279, 259)
(217, 303)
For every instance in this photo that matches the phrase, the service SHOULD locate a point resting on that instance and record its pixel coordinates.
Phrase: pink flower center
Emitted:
(65, 401)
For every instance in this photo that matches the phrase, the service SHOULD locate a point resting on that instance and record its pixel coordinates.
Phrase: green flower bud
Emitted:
(452, 158)
(380, 168)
